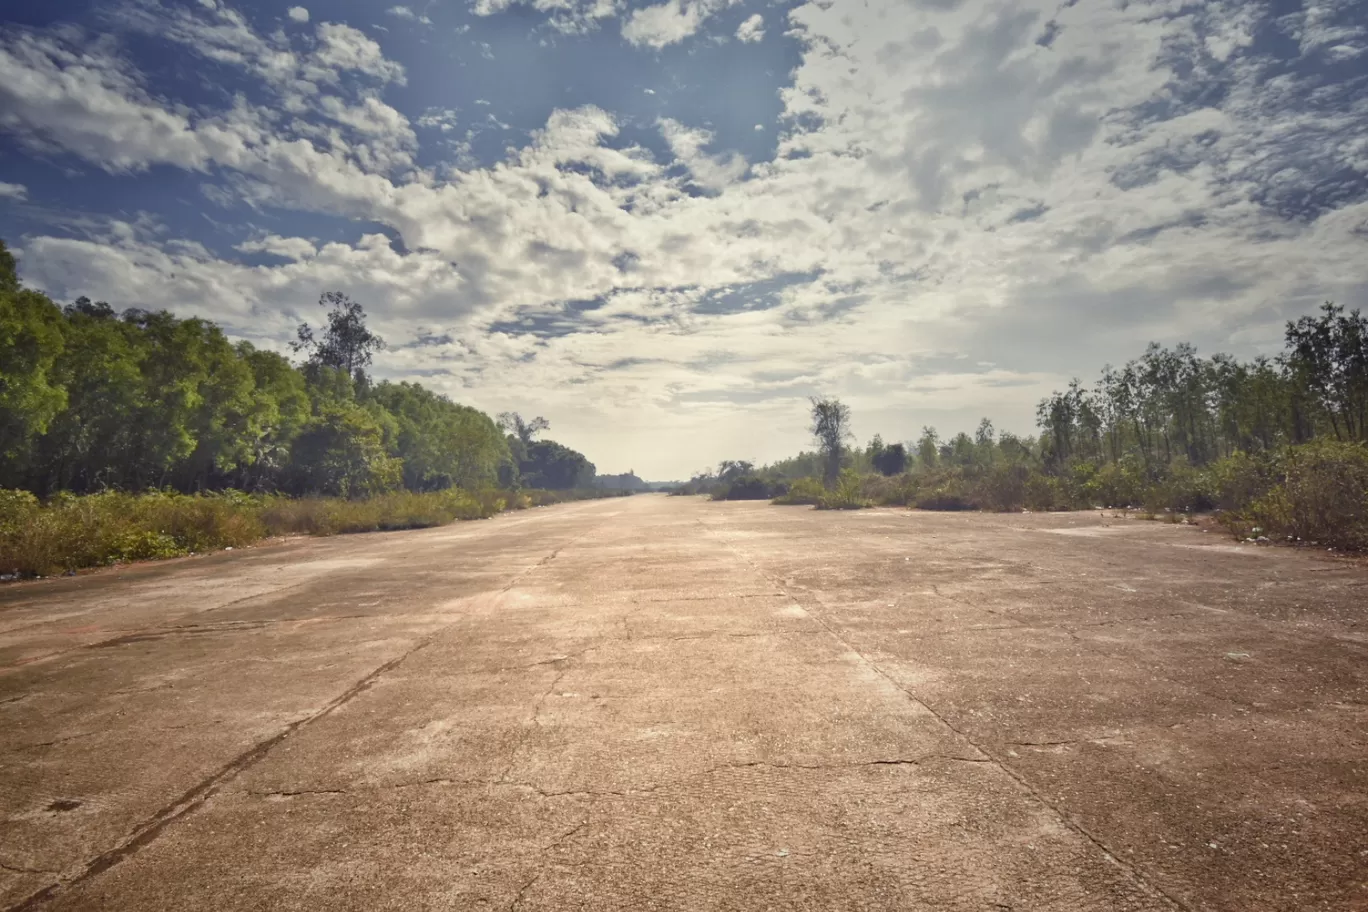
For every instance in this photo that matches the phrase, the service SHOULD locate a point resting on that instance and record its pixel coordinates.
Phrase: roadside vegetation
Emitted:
(138, 434)
(1276, 448)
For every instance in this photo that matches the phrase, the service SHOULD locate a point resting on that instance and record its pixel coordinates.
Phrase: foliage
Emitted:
(803, 491)
(749, 487)
(345, 345)
(830, 428)
(1321, 497)
(888, 460)
(556, 467)
(94, 400)
(70, 532)
(30, 343)
(846, 494)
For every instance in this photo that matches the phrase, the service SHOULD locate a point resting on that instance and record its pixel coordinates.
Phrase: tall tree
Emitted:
(830, 429)
(1328, 357)
(525, 431)
(344, 343)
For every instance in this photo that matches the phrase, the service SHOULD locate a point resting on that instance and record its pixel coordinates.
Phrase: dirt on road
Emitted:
(666, 703)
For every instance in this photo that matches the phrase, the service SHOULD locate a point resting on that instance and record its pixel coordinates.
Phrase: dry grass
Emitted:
(69, 532)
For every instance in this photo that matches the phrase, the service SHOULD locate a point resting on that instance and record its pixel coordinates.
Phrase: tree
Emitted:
(341, 453)
(728, 470)
(9, 274)
(555, 467)
(525, 431)
(928, 447)
(1328, 358)
(442, 444)
(891, 460)
(30, 343)
(830, 429)
(346, 344)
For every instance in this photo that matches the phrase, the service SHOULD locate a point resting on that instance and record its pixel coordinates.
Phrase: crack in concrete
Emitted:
(55, 741)
(20, 869)
(522, 891)
(200, 793)
(195, 797)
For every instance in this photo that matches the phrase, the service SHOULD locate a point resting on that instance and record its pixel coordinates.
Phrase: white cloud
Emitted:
(1033, 187)
(342, 47)
(298, 14)
(13, 191)
(443, 119)
(753, 29)
(403, 12)
(571, 17)
(669, 22)
(289, 248)
(711, 171)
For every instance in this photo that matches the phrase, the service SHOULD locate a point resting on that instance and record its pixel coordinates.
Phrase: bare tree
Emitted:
(830, 429)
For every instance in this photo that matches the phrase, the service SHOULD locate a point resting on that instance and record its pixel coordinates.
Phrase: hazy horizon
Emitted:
(665, 226)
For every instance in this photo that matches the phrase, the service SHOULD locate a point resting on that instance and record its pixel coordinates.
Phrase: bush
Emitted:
(1003, 487)
(1322, 497)
(896, 491)
(1043, 493)
(941, 489)
(1239, 480)
(1185, 490)
(846, 494)
(750, 487)
(803, 491)
(70, 532)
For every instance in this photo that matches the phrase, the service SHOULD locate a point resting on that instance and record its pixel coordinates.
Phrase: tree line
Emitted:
(1169, 431)
(93, 399)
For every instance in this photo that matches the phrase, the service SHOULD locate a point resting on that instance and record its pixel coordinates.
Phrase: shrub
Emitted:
(1239, 480)
(1322, 497)
(1117, 484)
(803, 491)
(1043, 493)
(846, 494)
(1185, 490)
(1003, 487)
(896, 491)
(69, 532)
(749, 487)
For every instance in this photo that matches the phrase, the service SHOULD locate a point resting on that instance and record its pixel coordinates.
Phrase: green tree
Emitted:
(345, 343)
(1328, 358)
(553, 466)
(891, 460)
(341, 453)
(31, 341)
(830, 428)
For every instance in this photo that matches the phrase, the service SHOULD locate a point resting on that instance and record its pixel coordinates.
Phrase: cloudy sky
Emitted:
(664, 226)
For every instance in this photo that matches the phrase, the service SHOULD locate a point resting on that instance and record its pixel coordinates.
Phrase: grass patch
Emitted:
(70, 532)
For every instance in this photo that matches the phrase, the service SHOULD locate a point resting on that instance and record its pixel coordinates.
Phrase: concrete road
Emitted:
(665, 703)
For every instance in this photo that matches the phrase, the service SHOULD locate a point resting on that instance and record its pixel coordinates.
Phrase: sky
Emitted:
(665, 226)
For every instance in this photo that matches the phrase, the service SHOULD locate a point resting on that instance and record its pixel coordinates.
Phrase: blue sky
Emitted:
(664, 225)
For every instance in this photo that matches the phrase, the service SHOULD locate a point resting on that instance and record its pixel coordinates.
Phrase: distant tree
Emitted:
(830, 429)
(1328, 358)
(525, 431)
(9, 274)
(928, 447)
(891, 460)
(553, 466)
(31, 343)
(344, 344)
(729, 470)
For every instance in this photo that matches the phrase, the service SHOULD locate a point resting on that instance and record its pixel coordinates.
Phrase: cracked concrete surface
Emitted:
(664, 703)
